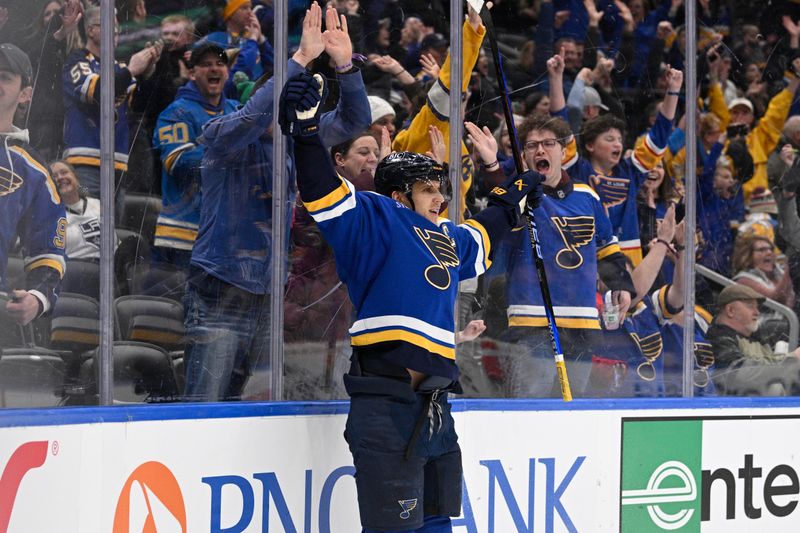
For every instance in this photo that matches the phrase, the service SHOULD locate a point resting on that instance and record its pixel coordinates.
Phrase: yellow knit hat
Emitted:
(231, 6)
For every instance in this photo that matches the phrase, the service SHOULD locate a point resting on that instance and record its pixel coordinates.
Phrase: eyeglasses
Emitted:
(534, 145)
(763, 249)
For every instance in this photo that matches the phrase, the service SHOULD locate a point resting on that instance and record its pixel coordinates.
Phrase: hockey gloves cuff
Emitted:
(519, 192)
(299, 105)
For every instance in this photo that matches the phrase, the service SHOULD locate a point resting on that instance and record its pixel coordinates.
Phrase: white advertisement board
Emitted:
(687, 470)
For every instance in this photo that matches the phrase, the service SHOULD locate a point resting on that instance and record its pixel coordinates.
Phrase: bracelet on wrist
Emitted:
(399, 72)
(343, 68)
(665, 243)
(673, 93)
(492, 166)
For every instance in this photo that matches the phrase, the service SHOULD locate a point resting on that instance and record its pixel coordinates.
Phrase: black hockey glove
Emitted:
(300, 103)
(519, 191)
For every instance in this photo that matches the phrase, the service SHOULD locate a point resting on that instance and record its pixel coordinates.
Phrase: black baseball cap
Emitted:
(204, 49)
(17, 62)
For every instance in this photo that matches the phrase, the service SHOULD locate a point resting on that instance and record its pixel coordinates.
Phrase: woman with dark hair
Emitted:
(655, 196)
(356, 160)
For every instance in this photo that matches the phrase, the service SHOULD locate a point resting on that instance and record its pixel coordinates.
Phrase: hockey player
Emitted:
(577, 244)
(30, 206)
(402, 264)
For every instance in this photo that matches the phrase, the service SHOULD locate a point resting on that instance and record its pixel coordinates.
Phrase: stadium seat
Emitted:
(180, 372)
(31, 377)
(132, 255)
(143, 373)
(150, 319)
(139, 214)
(162, 280)
(75, 325)
(82, 277)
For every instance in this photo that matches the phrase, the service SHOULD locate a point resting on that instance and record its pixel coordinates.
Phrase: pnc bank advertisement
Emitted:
(524, 470)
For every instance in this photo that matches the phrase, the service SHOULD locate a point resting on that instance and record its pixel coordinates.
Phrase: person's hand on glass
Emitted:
(311, 42)
(337, 39)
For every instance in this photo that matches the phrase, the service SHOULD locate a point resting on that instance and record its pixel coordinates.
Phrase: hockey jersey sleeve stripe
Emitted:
(88, 87)
(334, 205)
(54, 262)
(478, 232)
(702, 318)
(31, 162)
(93, 153)
(439, 100)
(541, 322)
(94, 162)
(176, 233)
(605, 251)
(174, 155)
(166, 220)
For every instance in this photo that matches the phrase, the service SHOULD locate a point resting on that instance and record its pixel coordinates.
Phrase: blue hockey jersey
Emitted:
(30, 207)
(638, 341)
(81, 77)
(703, 355)
(175, 139)
(574, 234)
(378, 242)
(618, 191)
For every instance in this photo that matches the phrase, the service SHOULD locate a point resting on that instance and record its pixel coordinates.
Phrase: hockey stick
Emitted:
(561, 369)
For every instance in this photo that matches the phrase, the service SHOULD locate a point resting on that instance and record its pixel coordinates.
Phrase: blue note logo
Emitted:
(407, 506)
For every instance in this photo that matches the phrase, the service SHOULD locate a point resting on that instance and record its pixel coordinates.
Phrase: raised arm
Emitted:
(646, 272)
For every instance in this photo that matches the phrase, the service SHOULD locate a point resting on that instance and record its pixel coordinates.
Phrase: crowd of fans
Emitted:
(193, 142)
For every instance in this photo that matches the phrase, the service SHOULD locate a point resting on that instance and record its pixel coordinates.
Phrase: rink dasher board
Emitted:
(592, 466)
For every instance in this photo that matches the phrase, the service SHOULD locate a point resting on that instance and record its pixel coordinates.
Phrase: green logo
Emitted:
(661, 476)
